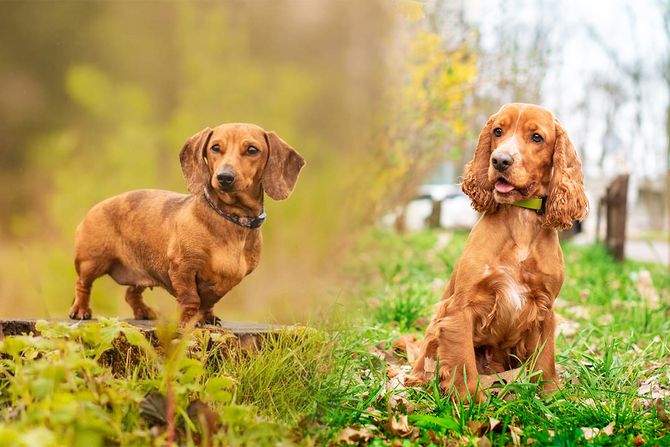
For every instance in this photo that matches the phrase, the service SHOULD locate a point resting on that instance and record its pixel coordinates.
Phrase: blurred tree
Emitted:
(429, 81)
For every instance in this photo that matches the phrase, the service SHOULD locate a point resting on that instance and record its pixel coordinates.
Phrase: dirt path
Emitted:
(650, 251)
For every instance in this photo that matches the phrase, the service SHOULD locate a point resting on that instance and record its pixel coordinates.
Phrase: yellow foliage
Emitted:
(411, 9)
(428, 113)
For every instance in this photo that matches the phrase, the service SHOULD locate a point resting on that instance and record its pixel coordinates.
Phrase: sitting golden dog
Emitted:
(497, 311)
(197, 246)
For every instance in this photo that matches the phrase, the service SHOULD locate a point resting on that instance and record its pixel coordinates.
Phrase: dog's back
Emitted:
(127, 237)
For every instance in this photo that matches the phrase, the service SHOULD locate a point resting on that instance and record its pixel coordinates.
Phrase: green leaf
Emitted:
(217, 388)
(429, 421)
(88, 437)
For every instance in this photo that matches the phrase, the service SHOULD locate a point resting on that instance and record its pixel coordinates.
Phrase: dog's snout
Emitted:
(226, 178)
(501, 161)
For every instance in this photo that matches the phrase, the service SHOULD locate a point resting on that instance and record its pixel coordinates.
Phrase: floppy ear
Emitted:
(567, 201)
(193, 162)
(282, 168)
(475, 178)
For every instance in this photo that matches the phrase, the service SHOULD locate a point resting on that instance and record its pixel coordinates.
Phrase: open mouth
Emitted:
(503, 186)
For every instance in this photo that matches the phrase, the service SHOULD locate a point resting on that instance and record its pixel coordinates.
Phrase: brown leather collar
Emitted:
(242, 221)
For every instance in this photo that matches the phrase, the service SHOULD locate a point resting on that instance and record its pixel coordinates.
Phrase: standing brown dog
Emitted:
(497, 311)
(197, 246)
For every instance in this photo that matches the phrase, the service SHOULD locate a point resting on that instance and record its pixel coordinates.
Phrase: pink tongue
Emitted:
(504, 187)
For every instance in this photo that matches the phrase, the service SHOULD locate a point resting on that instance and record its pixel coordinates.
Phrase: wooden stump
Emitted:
(147, 327)
(233, 338)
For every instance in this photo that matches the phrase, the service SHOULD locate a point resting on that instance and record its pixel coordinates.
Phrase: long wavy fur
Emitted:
(567, 201)
(475, 181)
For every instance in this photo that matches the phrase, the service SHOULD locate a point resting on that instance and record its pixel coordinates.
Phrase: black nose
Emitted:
(225, 178)
(502, 161)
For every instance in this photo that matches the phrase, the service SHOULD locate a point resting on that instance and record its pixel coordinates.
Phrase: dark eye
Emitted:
(216, 148)
(252, 150)
(537, 138)
(497, 132)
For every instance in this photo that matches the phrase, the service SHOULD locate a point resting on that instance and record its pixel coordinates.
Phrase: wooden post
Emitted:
(433, 219)
(615, 202)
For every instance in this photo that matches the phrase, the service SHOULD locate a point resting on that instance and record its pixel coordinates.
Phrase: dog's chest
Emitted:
(229, 264)
(509, 290)
(503, 298)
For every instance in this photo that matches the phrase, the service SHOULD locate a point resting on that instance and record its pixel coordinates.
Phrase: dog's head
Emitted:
(524, 152)
(234, 158)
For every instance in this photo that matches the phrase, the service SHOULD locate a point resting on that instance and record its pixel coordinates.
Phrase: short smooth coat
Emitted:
(180, 242)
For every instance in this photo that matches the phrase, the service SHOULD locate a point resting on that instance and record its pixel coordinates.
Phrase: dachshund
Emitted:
(497, 312)
(196, 246)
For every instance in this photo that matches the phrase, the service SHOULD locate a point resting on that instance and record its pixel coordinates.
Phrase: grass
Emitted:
(335, 384)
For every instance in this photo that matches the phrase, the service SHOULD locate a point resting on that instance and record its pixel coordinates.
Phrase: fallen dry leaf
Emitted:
(396, 389)
(590, 433)
(398, 425)
(488, 380)
(652, 389)
(354, 436)
(493, 423)
(516, 435)
(481, 428)
(483, 442)
(409, 345)
(382, 354)
(609, 428)
(477, 428)
(661, 413)
(392, 371)
(638, 441)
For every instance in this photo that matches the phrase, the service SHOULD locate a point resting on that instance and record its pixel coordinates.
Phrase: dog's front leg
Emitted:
(545, 349)
(422, 370)
(456, 353)
(186, 291)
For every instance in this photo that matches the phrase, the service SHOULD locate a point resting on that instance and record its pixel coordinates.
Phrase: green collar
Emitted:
(536, 203)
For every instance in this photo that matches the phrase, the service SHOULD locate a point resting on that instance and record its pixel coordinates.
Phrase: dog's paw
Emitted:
(145, 313)
(80, 313)
(212, 320)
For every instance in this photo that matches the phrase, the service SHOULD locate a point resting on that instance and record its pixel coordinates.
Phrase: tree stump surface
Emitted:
(237, 328)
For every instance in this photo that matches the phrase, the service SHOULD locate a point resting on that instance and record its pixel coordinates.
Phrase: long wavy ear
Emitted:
(567, 201)
(475, 178)
(282, 168)
(193, 162)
